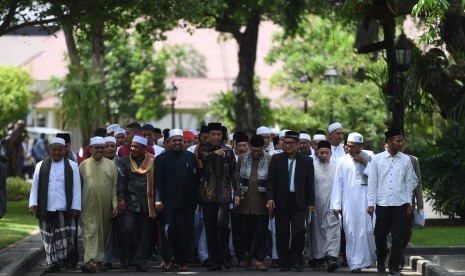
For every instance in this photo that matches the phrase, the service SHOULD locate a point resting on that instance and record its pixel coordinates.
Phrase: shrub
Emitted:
(443, 172)
(17, 188)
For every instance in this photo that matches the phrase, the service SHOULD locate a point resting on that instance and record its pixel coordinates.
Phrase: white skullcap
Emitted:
(97, 140)
(139, 139)
(112, 128)
(334, 126)
(282, 133)
(305, 136)
(263, 130)
(355, 137)
(120, 131)
(176, 132)
(319, 137)
(231, 136)
(160, 142)
(194, 131)
(274, 130)
(57, 140)
(109, 139)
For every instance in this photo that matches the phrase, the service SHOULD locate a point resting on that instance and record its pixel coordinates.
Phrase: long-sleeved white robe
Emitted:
(351, 197)
(325, 226)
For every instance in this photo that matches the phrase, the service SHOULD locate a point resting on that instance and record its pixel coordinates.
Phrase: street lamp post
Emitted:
(172, 93)
(403, 49)
(332, 78)
(304, 79)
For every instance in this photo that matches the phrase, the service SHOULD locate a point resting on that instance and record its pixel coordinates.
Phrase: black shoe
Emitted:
(214, 268)
(380, 267)
(275, 263)
(298, 268)
(206, 263)
(285, 268)
(227, 265)
(108, 266)
(332, 266)
(141, 268)
(52, 269)
(394, 272)
(357, 270)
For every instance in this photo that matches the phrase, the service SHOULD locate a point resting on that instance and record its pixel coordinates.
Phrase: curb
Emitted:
(32, 251)
(427, 268)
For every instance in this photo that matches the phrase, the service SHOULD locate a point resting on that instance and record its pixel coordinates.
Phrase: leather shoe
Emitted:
(357, 270)
(247, 260)
(298, 268)
(227, 265)
(394, 272)
(52, 269)
(380, 267)
(261, 267)
(141, 268)
(332, 266)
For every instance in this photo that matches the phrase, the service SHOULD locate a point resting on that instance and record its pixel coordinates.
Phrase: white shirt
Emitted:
(158, 150)
(291, 185)
(337, 152)
(391, 180)
(56, 197)
(192, 148)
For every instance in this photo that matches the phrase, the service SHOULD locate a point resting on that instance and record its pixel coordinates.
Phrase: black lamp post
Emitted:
(404, 48)
(172, 93)
(332, 78)
(237, 88)
(305, 78)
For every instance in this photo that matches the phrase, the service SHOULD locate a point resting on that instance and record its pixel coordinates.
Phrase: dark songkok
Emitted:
(65, 136)
(392, 132)
(324, 144)
(224, 133)
(204, 129)
(257, 141)
(214, 126)
(156, 130)
(166, 133)
(102, 132)
(148, 127)
(320, 131)
(292, 134)
(240, 136)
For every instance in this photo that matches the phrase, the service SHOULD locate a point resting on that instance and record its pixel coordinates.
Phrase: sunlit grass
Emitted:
(438, 236)
(17, 223)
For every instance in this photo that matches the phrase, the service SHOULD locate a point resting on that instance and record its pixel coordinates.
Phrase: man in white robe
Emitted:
(325, 227)
(335, 137)
(349, 198)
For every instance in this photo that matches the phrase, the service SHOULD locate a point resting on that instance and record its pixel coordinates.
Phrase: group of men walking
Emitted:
(301, 190)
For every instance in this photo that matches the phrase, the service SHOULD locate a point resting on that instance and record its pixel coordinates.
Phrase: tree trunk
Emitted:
(248, 107)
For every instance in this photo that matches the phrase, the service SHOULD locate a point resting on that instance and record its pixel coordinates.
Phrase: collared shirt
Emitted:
(292, 176)
(337, 152)
(391, 180)
(56, 197)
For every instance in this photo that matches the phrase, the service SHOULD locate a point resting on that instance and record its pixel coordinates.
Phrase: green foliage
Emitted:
(432, 12)
(17, 223)
(14, 95)
(185, 61)
(438, 236)
(443, 174)
(17, 188)
(222, 109)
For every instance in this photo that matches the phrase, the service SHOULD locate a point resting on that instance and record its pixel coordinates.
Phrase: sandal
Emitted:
(101, 267)
(90, 267)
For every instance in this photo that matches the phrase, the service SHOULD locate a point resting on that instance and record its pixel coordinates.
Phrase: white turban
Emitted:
(194, 131)
(282, 133)
(334, 126)
(176, 132)
(305, 136)
(355, 137)
(109, 139)
(97, 140)
(160, 142)
(139, 139)
(112, 128)
(319, 137)
(120, 131)
(57, 140)
(263, 130)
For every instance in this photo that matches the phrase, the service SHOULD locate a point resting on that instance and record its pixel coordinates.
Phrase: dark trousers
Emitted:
(237, 243)
(178, 234)
(390, 219)
(216, 220)
(295, 218)
(154, 231)
(254, 233)
(134, 231)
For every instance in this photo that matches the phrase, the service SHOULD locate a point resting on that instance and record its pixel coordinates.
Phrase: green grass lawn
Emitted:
(17, 223)
(438, 236)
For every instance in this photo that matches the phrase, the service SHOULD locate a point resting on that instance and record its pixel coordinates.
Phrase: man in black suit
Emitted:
(291, 194)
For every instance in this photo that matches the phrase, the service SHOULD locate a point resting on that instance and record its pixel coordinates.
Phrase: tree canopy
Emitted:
(14, 94)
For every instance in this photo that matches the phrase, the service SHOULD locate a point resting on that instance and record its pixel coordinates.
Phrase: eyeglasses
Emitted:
(289, 143)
